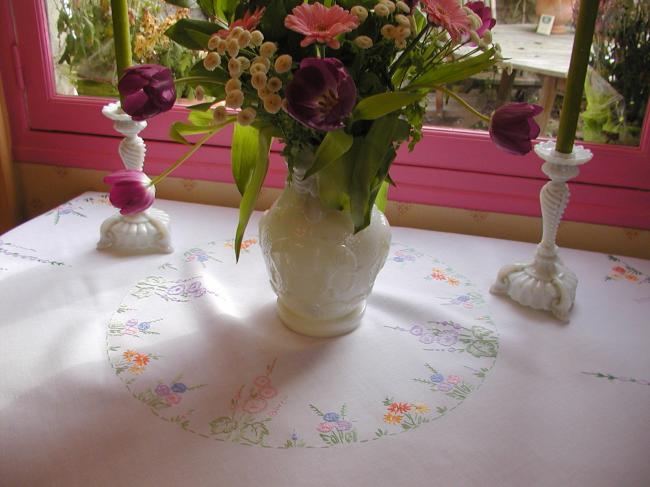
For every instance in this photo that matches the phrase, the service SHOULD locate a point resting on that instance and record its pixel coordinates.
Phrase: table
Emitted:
(548, 56)
(173, 369)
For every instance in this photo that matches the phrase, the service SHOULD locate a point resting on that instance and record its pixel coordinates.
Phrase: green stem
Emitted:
(465, 105)
(576, 79)
(408, 49)
(184, 157)
(121, 35)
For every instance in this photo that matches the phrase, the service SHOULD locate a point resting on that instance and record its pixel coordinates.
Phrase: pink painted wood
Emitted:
(454, 168)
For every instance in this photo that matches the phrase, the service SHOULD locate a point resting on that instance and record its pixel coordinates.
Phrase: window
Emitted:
(450, 167)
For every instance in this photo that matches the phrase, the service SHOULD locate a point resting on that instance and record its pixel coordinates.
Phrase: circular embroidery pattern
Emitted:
(198, 342)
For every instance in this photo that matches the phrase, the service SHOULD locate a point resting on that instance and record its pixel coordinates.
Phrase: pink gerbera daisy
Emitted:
(449, 15)
(320, 24)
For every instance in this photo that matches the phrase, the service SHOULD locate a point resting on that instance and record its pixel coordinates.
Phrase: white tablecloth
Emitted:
(174, 370)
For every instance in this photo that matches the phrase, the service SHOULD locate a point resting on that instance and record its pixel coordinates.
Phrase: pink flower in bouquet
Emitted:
(449, 15)
(321, 94)
(512, 127)
(485, 14)
(131, 191)
(248, 22)
(320, 24)
(146, 90)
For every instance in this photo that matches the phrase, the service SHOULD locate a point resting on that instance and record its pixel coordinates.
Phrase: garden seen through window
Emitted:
(616, 90)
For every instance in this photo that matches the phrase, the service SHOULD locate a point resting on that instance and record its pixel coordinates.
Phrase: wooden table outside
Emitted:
(547, 56)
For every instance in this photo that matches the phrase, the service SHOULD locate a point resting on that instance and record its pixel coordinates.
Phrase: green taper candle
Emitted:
(576, 79)
(121, 35)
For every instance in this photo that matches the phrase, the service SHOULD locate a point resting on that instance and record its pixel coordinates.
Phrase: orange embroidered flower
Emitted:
(392, 418)
(136, 369)
(453, 281)
(631, 277)
(129, 355)
(141, 359)
(248, 243)
(399, 407)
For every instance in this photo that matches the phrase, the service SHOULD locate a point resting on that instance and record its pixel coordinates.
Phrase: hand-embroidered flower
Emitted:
(399, 407)
(255, 405)
(449, 15)
(162, 390)
(331, 417)
(512, 127)
(179, 387)
(321, 94)
(325, 427)
(146, 90)
(131, 191)
(343, 426)
(320, 24)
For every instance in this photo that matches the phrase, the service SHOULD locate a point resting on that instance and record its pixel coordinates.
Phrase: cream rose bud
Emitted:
(381, 10)
(274, 84)
(402, 32)
(232, 47)
(283, 63)
(400, 44)
(258, 68)
(389, 4)
(220, 114)
(244, 63)
(199, 93)
(234, 99)
(359, 12)
(258, 80)
(474, 37)
(388, 31)
(221, 46)
(263, 92)
(268, 49)
(233, 84)
(236, 32)
(211, 61)
(363, 42)
(234, 68)
(257, 38)
(402, 20)
(272, 103)
(244, 39)
(403, 7)
(246, 116)
(213, 43)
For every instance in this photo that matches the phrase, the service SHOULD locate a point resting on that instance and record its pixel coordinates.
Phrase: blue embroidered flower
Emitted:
(294, 437)
(437, 378)
(179, 387)
(331, 417)
(144, 326)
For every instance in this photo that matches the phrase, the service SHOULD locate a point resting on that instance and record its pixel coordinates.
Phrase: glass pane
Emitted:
(616, 91)
(81, 36)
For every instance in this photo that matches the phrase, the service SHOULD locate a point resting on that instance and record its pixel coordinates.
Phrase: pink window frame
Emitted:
(449, 167)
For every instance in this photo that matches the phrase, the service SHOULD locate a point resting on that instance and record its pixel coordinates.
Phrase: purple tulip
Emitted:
(485, 14)
(321, 94)
(146, 90)
(131, 191)
(512, 127)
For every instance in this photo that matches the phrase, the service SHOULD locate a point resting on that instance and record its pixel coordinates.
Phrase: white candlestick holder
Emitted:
(546, 283)
(146, 231)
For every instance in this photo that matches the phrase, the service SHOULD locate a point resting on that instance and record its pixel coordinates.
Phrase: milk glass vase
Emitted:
(321, 271)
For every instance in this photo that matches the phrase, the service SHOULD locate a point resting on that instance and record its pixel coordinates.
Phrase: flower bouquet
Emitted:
(342, 86)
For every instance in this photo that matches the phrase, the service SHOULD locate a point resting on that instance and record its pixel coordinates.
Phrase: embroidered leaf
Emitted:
(254, 432)
(223, 425)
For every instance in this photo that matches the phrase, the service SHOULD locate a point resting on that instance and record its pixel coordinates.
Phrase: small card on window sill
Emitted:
(545, 24)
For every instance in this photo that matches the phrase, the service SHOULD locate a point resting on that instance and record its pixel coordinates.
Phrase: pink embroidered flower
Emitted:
(399, 407)
(454, 379)
(619, 269)
(173, 399)
(268, 392)
(320, 24)
(262, 381)
(449, 15)
(255, 405)
(325, 427)
(248, 22)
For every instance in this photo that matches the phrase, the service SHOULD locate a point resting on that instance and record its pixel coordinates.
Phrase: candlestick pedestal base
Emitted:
(148, 231)
(546, 283)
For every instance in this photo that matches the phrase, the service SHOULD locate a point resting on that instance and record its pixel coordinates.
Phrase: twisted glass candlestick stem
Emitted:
(546, 283)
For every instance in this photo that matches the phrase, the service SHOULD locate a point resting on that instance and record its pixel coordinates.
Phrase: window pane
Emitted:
(81, 36)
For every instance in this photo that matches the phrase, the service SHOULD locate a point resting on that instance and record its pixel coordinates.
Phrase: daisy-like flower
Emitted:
(129, 355)
(392, 418)
(421, 408)
(141, 359)
(449, 15)
(320, 24)
(248, 22)
(399, 407)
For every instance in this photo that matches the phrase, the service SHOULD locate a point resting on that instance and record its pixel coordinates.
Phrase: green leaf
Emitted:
(185, 30)
(201, 107)
(250, 162)
(180, 3)
(377, 106)
(201, 119)
(451, 72)
(179, 130)
(382, 196)
(333, 146)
